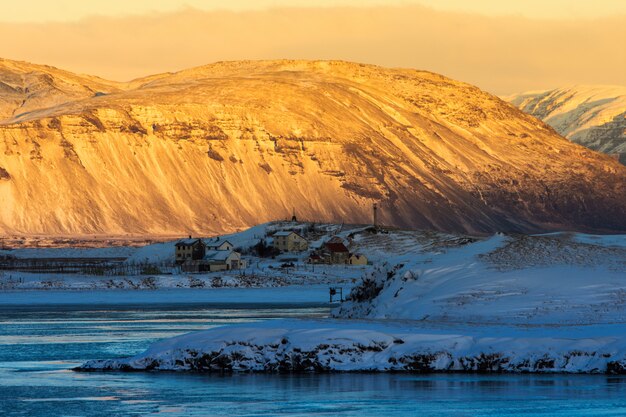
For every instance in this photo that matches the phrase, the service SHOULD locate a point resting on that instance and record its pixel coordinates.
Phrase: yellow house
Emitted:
(224, 260)
(356, 259)
(289, 242)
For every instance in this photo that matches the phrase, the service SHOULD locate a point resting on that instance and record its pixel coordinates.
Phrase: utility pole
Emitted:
(375, 214)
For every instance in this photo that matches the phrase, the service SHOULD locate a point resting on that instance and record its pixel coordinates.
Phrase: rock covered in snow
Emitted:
(313, 346)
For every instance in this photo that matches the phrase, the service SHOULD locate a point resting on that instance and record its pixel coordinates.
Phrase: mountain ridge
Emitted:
(223, 146)
(590, 115)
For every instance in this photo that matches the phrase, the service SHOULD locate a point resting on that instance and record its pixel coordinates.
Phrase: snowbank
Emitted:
(321, 346)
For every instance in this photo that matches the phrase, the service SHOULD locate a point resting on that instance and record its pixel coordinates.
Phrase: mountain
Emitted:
(223, 146)
(593, 116)
(25, 87)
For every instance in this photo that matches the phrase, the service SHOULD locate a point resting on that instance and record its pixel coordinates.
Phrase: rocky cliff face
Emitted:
(220, 147)
(593, 116)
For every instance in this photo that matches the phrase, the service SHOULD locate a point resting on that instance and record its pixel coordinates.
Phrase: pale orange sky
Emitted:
(69, 10)
(500, 48)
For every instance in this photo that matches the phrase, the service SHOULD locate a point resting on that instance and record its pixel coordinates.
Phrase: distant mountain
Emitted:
(224, 146)
(25, 87)
(593, 116)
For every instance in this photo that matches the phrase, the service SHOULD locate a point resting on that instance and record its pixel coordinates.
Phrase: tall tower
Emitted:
(375, 214)
(293, 216)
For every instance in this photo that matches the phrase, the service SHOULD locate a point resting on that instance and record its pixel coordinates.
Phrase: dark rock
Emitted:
(4, 174)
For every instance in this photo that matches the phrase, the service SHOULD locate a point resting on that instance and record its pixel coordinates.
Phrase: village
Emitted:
(210, 255)
(196, 255)
(279, 253)
(275, 254)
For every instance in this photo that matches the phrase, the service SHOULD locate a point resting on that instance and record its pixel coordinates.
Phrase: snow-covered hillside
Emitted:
(552, 303)
(523, 280)
(593, 116)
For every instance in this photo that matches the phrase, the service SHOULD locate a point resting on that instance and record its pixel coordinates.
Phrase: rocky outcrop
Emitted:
(341, 348)
(228, 145)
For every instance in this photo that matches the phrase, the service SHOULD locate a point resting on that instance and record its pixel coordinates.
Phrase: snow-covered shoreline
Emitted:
(365, 346)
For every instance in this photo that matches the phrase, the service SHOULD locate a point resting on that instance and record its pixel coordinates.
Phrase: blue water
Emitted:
(39, 345)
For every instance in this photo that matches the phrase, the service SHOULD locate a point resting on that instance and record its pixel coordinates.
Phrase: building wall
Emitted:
(291, 243)
(232, 262)
(281, 243)
(338, 257)
(217, 267)
(296, 243)
(360, 260)
(183, 253)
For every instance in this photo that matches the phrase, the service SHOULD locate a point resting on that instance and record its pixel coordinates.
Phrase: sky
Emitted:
(502, 46)
(70, 10)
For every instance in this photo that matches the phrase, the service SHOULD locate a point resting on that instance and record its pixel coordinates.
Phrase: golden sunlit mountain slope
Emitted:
(25, 87)
(224, 146)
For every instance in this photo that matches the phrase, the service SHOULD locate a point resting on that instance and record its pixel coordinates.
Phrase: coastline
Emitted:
(328, 345)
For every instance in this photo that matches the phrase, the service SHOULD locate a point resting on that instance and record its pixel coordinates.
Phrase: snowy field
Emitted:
(433, 302)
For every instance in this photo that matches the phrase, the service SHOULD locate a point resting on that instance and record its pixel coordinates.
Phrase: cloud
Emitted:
(501, 55)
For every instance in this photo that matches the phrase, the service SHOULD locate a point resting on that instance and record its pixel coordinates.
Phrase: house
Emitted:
(357, 259)
(219, 244)
(335, 252)
(289, 242)
(215, 260)
(223, 260)
(315, 258)
(189, 249)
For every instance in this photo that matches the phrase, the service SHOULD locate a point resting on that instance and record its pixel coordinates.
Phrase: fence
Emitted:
(86, 266)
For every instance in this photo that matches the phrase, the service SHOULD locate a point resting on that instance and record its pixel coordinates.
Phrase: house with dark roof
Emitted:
(215, 260)
(335, 252)
(189, 249)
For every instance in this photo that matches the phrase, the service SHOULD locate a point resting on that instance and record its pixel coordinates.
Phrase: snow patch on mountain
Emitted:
(593, 116)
